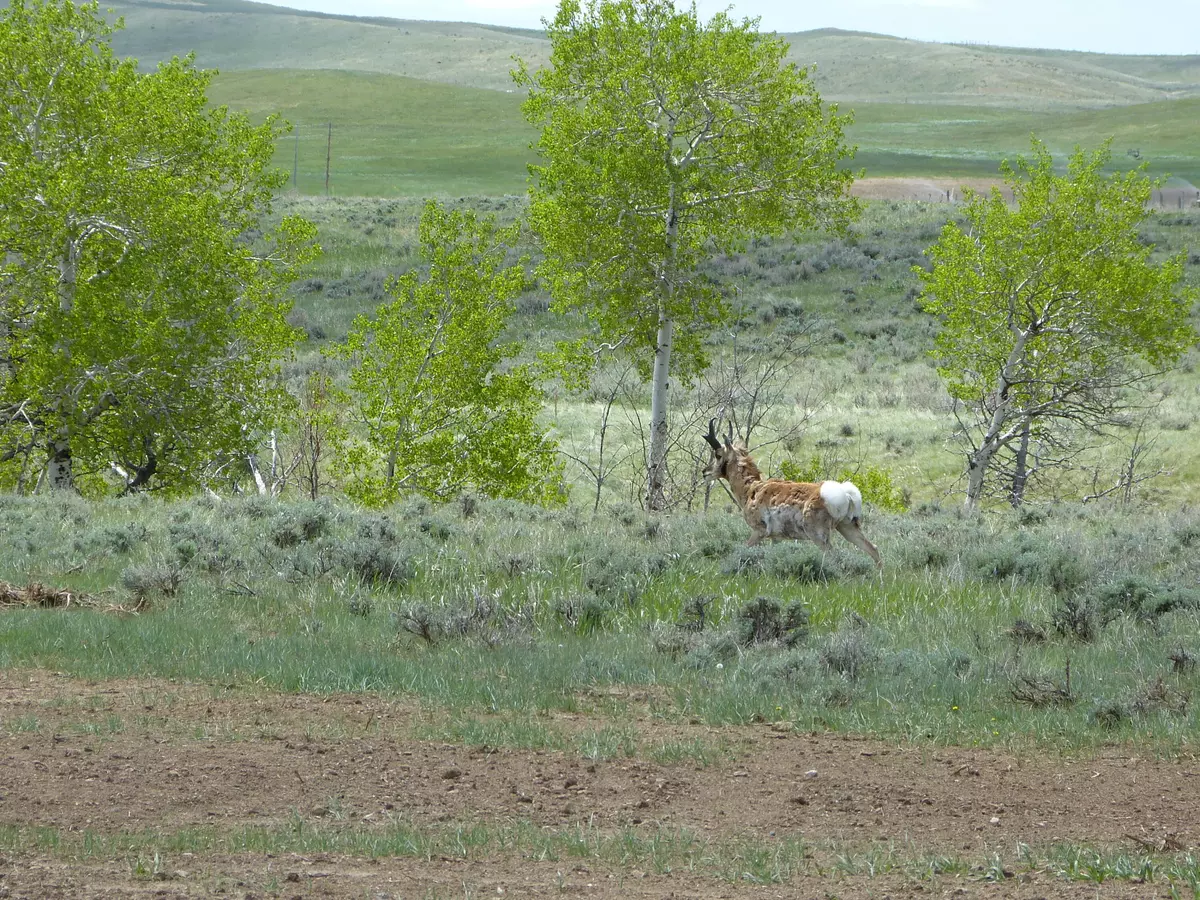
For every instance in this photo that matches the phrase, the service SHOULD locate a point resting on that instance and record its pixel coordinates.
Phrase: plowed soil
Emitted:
(136, 756)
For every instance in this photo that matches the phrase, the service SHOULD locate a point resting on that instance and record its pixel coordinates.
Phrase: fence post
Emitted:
(328, 157)
(296, 163)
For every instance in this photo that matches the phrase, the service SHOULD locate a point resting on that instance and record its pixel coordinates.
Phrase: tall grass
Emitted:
(526, 611)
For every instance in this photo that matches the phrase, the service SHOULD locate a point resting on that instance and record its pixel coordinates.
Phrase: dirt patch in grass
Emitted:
(136, 757)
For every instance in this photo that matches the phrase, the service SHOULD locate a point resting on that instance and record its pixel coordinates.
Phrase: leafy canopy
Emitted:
(443, 406)
(1046, 292)
(664, 139)
(1053, 309)
(141, 323)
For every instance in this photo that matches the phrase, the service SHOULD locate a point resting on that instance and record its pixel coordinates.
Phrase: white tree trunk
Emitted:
(59, 471)
(977, 466)
(980, 459)
(656, 497)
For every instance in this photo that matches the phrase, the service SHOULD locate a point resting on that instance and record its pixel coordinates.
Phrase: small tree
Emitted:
(320, 432)
(664, 139)
(140, 327)
(442, 404)
(1053, 312)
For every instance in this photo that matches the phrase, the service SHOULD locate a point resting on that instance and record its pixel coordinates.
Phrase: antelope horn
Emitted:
(711, 437)
(729, 436)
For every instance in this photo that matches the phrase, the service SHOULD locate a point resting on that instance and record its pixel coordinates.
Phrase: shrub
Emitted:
(418, 619)
(764, 620)
(803, 562)
(849, 651)
(712, 544)
(360, 603)
(1109, 714)
(693, 615)
(376, 528)
(623, 575)
(584, 613)
(1079, 617)
(716, 649)
(1144, 599)
(922, 552)
(159, 578)
(375, 562)
(673, 642)
(202, 546)
(304, 522)
(791, 666)
(1158, 696)
(1033, 560)
(1188, 535)
(438, 528)
(120, 539)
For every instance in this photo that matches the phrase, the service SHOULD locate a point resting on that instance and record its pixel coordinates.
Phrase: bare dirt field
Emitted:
(131, 757)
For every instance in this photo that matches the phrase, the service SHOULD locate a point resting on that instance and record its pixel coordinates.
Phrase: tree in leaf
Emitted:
(664, 140)
(443, 405)
(142, 313)
(1054, 312)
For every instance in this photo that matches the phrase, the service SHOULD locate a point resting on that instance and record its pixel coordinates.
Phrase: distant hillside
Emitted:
(234, 35)
(851, 66)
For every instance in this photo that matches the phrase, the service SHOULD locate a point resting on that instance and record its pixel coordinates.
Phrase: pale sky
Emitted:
(1105, 26)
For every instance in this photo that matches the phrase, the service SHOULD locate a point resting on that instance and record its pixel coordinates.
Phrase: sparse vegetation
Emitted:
(431, 615)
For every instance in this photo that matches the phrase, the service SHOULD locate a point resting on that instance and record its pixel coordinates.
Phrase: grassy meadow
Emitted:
(964, 640)
(421, 108)
(1040, 630)
(400, 137)
(848, 66)
(1064, 627)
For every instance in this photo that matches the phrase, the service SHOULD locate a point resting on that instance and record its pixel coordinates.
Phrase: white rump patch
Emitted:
(843, 501)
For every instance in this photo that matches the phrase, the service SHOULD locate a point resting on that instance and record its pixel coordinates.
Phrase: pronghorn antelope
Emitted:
(780, 509)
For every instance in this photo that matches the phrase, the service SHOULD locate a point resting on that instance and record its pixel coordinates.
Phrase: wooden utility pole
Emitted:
(296, 163)
(328, 157)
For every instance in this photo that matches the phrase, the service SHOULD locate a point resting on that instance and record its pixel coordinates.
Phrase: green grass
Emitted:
(429, 108)
(391, 136)
(230, 35)
(911, 139)
(659, 850)
(921, 656)
(399, 137)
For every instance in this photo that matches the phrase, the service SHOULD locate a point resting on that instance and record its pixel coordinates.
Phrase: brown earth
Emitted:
(131, 756)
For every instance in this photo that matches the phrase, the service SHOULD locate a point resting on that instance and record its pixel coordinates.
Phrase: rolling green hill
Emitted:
(909, 139)
(391, 136)
(232, 35)
(851, 66)
(858, 67)
(396, 136)
(422, 108)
